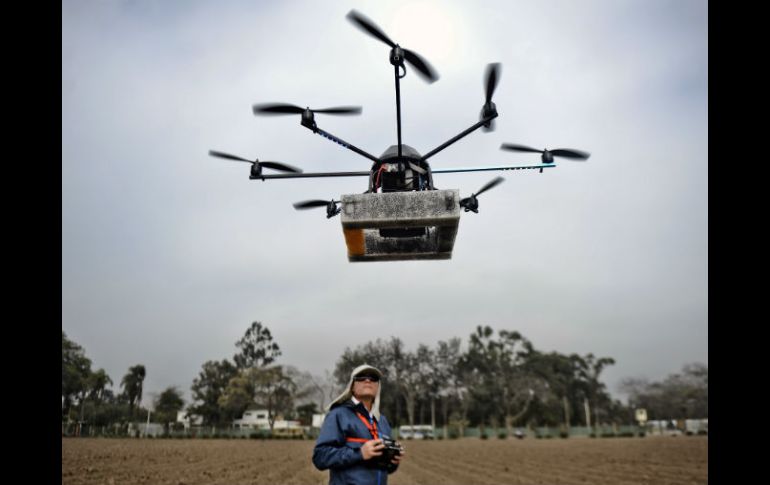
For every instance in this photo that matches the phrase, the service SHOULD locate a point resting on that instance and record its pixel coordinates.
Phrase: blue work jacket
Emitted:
(342, 457)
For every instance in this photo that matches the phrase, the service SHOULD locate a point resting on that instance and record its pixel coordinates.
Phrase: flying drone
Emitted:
(401, 215)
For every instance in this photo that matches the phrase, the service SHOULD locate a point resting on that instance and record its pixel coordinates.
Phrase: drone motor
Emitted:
(471, 204)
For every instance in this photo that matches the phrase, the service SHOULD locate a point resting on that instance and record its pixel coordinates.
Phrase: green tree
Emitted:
(75, 373)
(597, 394)
(238, 395)
(167, 405)
(564, 390)
(257, 348)
(270, 387)
(428, 366)
(410, 381)
(499, 380)
(679, 396)
(274, 390)
(452, 388)
(208, 388)
(97, 385)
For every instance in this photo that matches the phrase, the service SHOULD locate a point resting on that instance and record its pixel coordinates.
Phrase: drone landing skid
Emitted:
(399, 226)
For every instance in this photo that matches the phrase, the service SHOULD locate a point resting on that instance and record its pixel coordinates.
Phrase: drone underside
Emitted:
(394, 226)
(402, 215)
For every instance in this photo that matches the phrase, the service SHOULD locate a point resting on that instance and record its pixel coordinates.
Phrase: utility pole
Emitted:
(147, 426)
(566, 412)
(588, 413)
(80, 423)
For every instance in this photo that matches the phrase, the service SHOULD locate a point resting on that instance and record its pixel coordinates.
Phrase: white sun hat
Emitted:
(361, 369)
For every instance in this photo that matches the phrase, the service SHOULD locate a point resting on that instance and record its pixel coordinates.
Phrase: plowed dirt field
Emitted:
(617, 461)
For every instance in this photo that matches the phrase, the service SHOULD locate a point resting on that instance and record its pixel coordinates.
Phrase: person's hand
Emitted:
(372, 448)
(397, 459)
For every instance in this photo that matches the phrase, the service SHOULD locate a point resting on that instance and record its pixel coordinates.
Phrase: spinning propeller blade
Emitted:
(309, 204)
(569, 153)
(215, 153)
(424, 69)
(492, 76)
(365, 24)
(256, 164)
(492, 183)
(285, 109)
(558, 152)
(331, 206)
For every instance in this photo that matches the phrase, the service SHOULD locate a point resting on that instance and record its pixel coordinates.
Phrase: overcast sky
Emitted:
(168, 255)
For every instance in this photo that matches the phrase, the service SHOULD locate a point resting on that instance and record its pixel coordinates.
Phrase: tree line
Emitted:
(498, 379)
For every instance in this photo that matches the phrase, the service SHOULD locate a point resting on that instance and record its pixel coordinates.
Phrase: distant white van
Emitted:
(417, 432)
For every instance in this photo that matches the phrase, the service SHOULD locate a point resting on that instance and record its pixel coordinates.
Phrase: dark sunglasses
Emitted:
(366, 378)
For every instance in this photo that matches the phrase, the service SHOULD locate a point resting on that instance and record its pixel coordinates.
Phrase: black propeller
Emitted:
(256, 165)
(397, 54)
(290, 109)
(308, 119)
(331, 206)
(547, 155)
(491, 76)
(471, 203)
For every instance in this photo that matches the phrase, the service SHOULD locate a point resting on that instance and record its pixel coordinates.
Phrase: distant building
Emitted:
(142, 430)
(675, 427)
(417, 432)
(696, 426)
(258, 419)
(318, 420)
(253, 418)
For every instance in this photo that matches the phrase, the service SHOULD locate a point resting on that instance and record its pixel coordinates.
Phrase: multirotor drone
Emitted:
(401, 215)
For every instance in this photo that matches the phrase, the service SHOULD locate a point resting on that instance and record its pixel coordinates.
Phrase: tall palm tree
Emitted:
(98, 382)
(132, 386)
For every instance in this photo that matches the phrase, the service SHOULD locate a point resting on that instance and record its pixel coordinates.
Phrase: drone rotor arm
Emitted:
(461, 135)
(488, 169)
(340, 110)
(281, 166)
(311, 175)
(344, 144)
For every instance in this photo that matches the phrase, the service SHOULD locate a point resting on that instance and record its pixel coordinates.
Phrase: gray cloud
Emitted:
(168, 254)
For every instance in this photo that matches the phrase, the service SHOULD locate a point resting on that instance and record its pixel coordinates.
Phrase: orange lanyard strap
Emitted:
(371, 427)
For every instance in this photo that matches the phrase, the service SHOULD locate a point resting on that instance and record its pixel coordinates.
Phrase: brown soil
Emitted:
(621, 461)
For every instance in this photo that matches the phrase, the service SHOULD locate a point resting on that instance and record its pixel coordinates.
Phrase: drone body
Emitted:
(401, 215)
